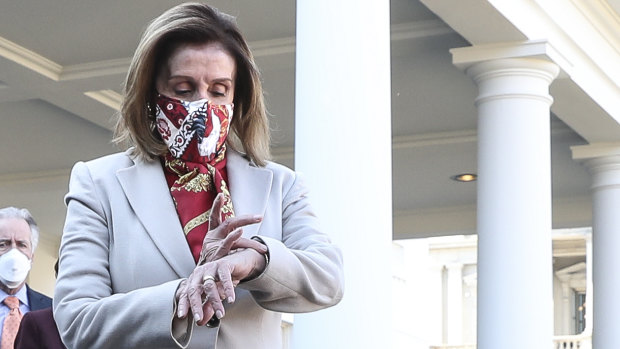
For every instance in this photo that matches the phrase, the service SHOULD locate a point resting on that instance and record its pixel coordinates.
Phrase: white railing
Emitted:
(579, 341)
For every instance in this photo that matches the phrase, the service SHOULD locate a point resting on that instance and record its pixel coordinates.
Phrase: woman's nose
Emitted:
(202, 93)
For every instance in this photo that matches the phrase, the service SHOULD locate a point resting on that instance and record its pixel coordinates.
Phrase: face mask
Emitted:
(193, 129)
(14, 267)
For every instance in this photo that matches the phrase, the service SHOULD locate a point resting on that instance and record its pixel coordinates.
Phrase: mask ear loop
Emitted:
(151, 112)
(151, 116)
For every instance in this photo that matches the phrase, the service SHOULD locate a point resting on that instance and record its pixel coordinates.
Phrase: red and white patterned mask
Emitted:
(193, 130)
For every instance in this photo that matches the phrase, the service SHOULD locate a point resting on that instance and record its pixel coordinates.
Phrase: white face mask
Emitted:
(14, 267)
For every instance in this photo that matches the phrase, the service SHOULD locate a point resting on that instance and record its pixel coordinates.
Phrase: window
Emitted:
(580, 312)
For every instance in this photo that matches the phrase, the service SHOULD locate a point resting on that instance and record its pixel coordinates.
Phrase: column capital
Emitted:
(521, 70)
(531, 66)
(595, 150)
(602, 161)
(465, 57)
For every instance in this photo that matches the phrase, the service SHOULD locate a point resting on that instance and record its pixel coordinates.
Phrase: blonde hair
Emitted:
(192, 23)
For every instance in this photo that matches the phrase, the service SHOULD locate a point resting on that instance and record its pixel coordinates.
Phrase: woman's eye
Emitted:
(182, 92)
(219, 93)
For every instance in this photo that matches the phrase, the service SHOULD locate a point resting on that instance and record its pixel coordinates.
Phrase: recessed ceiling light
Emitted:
(465, 177)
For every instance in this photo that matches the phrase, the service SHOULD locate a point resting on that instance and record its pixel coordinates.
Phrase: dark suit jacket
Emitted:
(37, 300)
(38, 331)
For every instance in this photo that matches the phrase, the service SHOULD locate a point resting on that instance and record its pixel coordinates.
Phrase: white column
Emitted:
(567, 317)
(433, 306)
(515, 287)
(343, 146)
(589, 287)
(603, 163)
(455, 303)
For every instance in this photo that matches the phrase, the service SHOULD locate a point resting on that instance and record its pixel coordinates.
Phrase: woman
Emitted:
(190, 238)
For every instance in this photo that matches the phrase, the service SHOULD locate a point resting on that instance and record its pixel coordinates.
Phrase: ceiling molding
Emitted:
(595, 150)
(402, 31)
(477, 21)
(604, 18)
(419, 29)
(272, 47)
(613, 5)
(570, 252)
(95, 69)
(590, 49)
(57, 72)
(572, 269)
(402, 142)
(572, 233)
(466, 241)
(29, 59)
(54, 71)
(433, 210)
(432, 139)
(38, 176)
(109, 98)
(424, 140)
(455, 137)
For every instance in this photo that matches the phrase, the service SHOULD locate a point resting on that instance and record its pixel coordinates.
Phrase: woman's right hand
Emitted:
(224, 237)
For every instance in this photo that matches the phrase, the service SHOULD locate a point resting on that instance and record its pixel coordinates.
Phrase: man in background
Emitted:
(19, 236)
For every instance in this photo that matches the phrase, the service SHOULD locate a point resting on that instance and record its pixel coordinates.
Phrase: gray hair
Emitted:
(14, 212)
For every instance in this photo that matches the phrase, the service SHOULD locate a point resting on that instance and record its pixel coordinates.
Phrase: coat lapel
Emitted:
(146, 189)
(37, 300)
(249, 188)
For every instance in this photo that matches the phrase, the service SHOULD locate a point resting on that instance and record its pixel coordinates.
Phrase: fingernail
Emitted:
(258, 217)
(219, 314)
(196, 317)
(179, 314)
(230, 300)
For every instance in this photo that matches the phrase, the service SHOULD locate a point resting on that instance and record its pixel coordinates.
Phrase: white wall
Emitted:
(42, 277)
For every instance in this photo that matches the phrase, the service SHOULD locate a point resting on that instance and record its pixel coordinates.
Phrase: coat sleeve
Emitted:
(89, 314)
(305, 270)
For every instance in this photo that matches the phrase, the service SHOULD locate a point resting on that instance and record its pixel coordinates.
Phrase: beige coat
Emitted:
(123, 254)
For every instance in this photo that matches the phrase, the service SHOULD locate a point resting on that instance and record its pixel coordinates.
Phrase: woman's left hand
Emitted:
(212, 282)
(203, 291)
